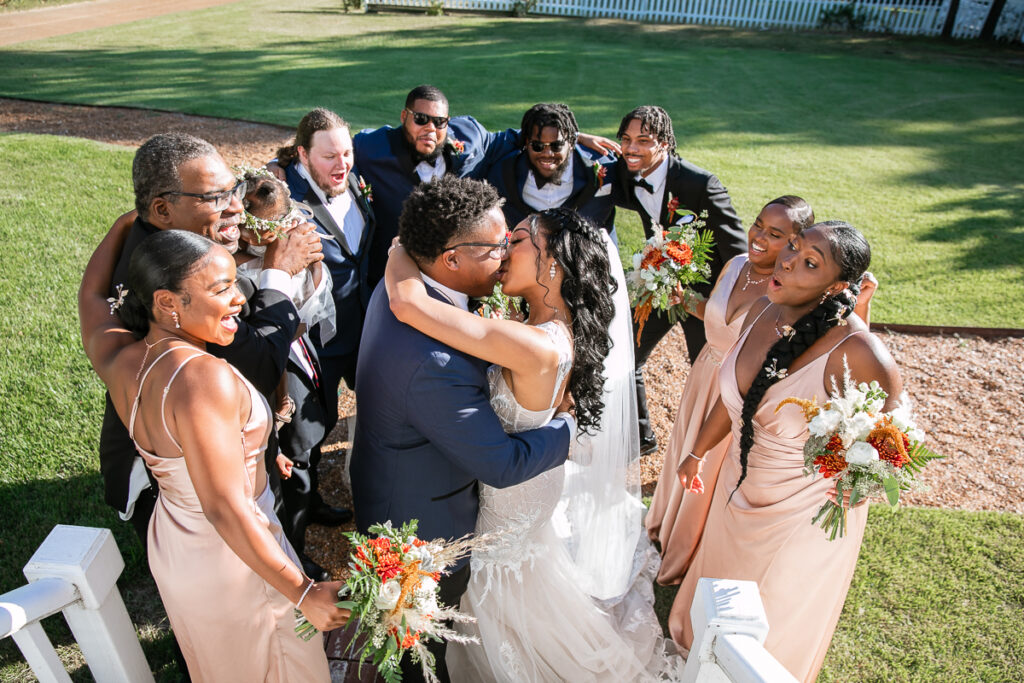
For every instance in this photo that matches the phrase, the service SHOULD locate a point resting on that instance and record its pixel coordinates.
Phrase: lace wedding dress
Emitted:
(534, 620)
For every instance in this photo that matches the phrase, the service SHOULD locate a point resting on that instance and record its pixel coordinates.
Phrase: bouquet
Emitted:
(392, 592)
(679, 256)
(868, 452)
(499, 305)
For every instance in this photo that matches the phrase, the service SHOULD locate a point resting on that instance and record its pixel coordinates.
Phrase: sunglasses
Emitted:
(421, 119)
(556, 146)
(498, 249)
(219, 200)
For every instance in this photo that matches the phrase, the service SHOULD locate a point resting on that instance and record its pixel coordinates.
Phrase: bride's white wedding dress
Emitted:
(535, 622)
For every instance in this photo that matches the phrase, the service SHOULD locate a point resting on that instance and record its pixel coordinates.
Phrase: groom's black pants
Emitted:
(451, 589)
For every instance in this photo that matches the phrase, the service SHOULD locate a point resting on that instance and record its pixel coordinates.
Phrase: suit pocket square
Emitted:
(604, 190)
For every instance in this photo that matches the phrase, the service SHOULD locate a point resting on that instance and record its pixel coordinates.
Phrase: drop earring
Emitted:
(177, 322)
(551, 272)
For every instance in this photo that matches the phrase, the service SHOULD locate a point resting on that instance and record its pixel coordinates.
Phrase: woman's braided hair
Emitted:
(853, 254)
(587, 288)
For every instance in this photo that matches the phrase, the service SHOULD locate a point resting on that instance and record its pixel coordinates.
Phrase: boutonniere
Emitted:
(365, 189)
(672, 207)
(458, 145)
(599, 173)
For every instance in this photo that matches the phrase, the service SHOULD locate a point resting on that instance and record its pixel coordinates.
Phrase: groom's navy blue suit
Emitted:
(425, 432)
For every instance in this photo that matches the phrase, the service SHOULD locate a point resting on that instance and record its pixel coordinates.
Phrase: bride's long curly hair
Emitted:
(587, 288)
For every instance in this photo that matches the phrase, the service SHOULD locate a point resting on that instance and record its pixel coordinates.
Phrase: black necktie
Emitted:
(641, 183)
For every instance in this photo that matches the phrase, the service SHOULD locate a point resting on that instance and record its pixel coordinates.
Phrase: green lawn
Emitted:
(937, 594)
(915, 142)
(15, 5)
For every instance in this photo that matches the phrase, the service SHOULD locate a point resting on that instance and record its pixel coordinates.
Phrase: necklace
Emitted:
(752, 282)
(149, 346)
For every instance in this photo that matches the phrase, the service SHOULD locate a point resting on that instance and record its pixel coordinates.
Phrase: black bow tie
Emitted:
(641, 183)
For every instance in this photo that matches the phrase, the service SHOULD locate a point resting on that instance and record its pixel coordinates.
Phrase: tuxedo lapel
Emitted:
(401, 152)
(514, 172)
(584, 182)
(324, 217)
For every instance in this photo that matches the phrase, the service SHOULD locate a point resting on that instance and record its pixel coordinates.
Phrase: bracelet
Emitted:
(304, 593)
(691, 454)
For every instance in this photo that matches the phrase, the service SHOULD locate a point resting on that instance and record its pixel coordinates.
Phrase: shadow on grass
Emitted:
(39, 506)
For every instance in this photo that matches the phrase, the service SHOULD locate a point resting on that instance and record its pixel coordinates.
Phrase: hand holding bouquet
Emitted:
(392, 592)
(868, 452)
(666, 267)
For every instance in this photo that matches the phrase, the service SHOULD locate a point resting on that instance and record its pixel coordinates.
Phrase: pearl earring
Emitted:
(551, 272)
(177, 322)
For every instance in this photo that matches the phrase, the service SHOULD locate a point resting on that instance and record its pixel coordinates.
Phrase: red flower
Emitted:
(408, 641)
(681, 253)
(599, 173)
(892, 444)
(653, 260)
(458, 145)
(832, 462)
(672, 206)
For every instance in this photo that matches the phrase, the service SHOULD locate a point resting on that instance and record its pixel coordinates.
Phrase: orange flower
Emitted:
(892, 444)
(680, 253)
(652, 260)
(408, 641)
(832, 461)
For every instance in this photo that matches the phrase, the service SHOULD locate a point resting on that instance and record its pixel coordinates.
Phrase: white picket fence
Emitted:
(910, 17)
(75, 571)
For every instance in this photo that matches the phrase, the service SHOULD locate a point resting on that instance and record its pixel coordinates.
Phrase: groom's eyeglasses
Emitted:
(498, 249)
(219, 200)
(423, 119)
(556, 146)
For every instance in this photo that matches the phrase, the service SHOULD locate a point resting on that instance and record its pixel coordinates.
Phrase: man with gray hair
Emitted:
(182, 183)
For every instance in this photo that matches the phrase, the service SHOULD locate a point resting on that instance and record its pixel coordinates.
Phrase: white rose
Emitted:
(860, 425)
(861, 453)
(824, 423)
(427, 586)
(388, 596)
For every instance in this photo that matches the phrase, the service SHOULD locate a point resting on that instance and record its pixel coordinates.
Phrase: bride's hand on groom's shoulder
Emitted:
(568, 405)
(319, 606)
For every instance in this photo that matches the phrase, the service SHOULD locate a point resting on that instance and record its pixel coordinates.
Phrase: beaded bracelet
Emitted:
(691, 454)
(304, 593)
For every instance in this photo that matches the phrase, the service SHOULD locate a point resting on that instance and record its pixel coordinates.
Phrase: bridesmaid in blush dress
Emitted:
(676, 518)
(759, 525)
(229, 580)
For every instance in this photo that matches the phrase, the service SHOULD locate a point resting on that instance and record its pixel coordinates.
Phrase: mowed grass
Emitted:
(937, 594)
(915, 142)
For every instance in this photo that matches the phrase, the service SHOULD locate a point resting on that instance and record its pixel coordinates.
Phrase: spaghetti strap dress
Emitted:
(764, 533)
(230, 623)
(676, 519)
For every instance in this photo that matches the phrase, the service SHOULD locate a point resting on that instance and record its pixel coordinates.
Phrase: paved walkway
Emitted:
(47, 22)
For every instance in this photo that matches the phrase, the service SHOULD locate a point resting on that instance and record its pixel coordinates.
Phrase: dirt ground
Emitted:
(969, 392)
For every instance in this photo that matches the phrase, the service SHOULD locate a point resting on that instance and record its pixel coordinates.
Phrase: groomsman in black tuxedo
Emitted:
(650, 176)
(320, 173)
(182, 183)
(550, 170)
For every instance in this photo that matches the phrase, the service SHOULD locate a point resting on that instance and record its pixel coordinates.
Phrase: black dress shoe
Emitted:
(313, 570)
(648, 445)
(328, 515)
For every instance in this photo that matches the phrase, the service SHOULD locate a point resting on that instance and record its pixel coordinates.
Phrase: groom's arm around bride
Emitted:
(425, 430)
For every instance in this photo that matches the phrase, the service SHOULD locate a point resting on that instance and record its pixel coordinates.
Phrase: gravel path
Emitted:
(969, 392)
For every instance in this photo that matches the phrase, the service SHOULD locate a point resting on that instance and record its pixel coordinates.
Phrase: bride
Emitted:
(533, 593)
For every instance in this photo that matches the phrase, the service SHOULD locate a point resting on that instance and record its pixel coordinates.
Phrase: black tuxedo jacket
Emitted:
(309, 423)
(349, 271)
(699, 191)
(591, 190)
(266, 327)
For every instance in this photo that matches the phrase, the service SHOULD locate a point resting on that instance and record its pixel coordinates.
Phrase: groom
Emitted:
(425, 432)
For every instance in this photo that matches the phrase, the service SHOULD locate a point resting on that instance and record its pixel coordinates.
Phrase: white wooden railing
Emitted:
(75, 571)
(729, 628)
(912, 17)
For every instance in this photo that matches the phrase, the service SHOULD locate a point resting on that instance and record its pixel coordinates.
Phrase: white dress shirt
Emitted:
(551, 195)
(427, 171)
(351, 222)
(653, 201)
(458, 298)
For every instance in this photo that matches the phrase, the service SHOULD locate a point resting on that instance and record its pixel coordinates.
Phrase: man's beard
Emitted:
(330, 191)
(418, 156)
(556, 177)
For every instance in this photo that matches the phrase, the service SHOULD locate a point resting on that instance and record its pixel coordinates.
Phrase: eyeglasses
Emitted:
(556, 146)
(219, 200)
(423, 119)
(498, 249)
